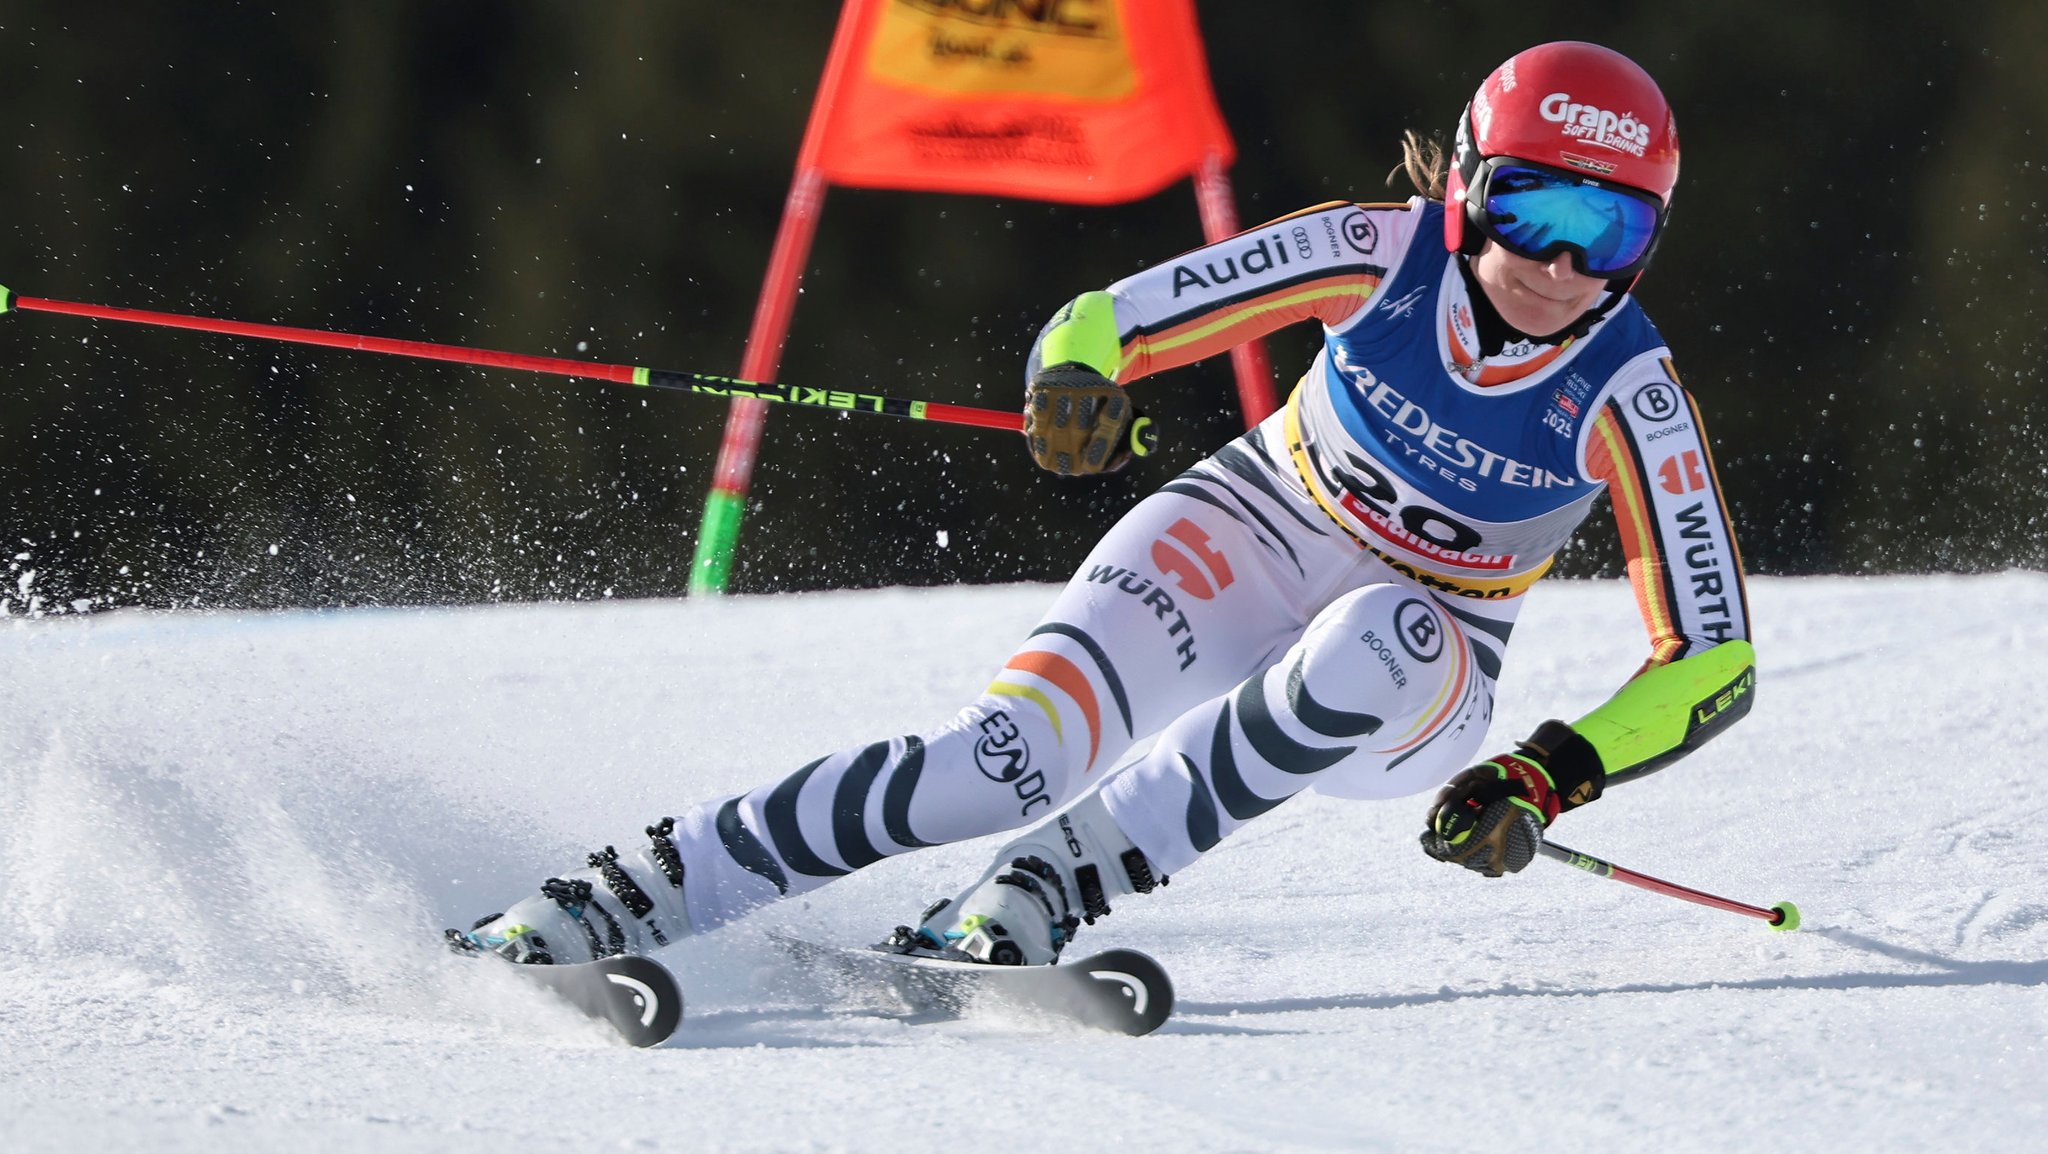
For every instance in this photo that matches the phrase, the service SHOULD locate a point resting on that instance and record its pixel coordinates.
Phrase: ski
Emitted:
(636, 996)
(1122, 991)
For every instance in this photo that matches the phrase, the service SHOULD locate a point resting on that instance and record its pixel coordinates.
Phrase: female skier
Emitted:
(1324, 602)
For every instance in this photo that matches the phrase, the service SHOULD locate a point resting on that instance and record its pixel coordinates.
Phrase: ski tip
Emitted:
(1132, 993)
(1787, 919)
(637, 996)
(646, 1004)
(6, 299)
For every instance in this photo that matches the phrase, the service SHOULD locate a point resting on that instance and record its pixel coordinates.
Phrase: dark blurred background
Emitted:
(1853, 286)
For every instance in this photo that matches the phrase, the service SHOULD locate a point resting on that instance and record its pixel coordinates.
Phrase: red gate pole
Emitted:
(1248, 360)
(726, 500)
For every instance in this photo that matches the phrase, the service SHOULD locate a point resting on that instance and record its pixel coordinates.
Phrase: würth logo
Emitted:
(1682, 474)
(1186, 555)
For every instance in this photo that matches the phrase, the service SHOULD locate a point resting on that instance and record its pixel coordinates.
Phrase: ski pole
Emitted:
(1141, 439)
(1783, 916)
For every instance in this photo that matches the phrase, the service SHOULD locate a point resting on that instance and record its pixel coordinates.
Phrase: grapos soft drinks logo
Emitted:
(1596, 125)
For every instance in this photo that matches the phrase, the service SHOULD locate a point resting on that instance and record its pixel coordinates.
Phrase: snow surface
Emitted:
(228, 844)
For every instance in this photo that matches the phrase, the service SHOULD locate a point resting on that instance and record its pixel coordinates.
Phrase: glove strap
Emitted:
(1572, 762)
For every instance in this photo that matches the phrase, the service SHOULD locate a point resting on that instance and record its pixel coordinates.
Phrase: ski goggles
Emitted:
(1538, 212)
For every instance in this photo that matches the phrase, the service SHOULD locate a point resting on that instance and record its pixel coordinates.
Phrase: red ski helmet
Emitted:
(1568, 147)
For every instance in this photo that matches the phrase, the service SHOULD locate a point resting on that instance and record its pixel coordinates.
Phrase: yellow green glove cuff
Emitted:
(1084, 332)
(1667, 712)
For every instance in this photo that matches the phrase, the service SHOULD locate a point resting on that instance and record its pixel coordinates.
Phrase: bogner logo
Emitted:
(1656, 403)
(1360, 233)
(1417, 629)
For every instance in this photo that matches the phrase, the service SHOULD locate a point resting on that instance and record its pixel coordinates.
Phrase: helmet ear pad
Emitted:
(1459, 234)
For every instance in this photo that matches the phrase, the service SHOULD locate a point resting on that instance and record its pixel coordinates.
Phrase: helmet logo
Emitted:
(1587, 164)
(1595, 125)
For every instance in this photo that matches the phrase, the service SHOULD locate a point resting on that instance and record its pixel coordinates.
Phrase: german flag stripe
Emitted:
(1103, 667)
(1068, 679)
(1251, 294)
(1211, 331)
(1613, 458)
(1446, 705)
(1217, 326)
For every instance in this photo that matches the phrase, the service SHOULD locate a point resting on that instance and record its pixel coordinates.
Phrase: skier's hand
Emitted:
(1491, 817)
(1075, 420)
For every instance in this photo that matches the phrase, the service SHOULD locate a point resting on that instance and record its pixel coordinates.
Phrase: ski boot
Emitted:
(629, 903)
(1042, 888)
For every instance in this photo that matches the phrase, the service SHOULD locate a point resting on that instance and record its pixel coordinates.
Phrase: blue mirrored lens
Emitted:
(1539, 214)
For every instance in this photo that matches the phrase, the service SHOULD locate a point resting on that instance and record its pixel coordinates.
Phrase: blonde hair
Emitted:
(1424, 161)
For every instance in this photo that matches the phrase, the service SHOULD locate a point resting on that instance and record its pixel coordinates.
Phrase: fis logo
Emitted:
(1402, 306)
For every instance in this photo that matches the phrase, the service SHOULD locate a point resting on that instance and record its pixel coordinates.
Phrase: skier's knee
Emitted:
(1382, 651)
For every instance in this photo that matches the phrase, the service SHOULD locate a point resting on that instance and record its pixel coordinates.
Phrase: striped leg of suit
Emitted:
(1385, 695)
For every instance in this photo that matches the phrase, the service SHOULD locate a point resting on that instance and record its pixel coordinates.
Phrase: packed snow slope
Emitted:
(228, 844)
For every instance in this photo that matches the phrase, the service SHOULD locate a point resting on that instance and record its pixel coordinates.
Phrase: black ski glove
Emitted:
(1491, 817)
(1075, 420)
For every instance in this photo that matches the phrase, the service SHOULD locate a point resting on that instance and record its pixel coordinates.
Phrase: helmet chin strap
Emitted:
(1589, 318)
(1495, 333)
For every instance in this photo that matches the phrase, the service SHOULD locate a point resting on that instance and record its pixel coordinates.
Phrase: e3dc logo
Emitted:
(1002, 755)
